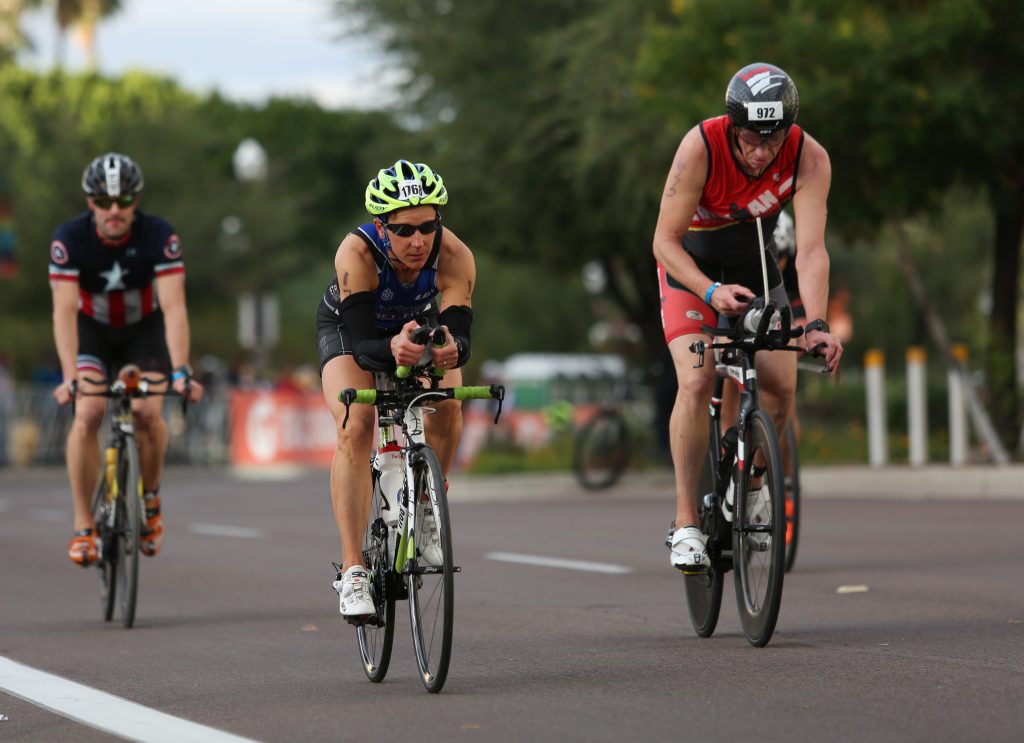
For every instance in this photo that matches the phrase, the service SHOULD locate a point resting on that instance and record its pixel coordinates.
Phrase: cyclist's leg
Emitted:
(682, 314)
(776, 376)
(350, 472)
(146, 346)
(83, 448)
(444, 427)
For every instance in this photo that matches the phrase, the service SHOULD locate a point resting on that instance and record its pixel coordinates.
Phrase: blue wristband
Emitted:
(178, 375)
(710, 291)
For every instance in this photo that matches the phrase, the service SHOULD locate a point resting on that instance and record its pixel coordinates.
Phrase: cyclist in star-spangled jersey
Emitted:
(727, 172)
(118, 283)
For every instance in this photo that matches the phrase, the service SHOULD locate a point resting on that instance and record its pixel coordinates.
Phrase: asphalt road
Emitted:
(237, 626)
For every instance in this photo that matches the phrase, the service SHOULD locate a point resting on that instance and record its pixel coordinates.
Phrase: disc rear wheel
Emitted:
(792, 496)
(704, 591)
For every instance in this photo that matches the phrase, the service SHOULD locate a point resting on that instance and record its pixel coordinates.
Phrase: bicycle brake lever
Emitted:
(498, 393)
(698, 347)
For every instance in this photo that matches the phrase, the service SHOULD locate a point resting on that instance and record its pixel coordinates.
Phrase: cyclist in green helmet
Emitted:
(389, 274)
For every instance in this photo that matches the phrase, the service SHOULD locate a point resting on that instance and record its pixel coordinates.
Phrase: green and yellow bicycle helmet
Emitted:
(404, 184)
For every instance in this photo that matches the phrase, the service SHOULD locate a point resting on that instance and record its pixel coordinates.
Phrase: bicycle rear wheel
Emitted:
(377, 635)
(704, 591)
(601, 450)
(108, 546)
(431, 572)
(129, 531)
(792, 496)
(759, 534)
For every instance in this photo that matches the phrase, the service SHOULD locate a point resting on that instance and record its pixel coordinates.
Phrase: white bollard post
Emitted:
(957, 408)
(917, 408)
(874, 375)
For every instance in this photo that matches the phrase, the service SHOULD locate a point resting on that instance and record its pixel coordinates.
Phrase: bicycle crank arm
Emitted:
(429, 570)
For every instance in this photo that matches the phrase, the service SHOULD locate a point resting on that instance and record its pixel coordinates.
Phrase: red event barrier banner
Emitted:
(281, 428)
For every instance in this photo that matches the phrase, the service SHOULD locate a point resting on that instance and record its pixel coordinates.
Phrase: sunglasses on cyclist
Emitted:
(408, 230)
(105, 202)
(753, 139)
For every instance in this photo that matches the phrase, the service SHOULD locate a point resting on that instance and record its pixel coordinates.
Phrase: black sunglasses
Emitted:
(408, 230)
(105, 202)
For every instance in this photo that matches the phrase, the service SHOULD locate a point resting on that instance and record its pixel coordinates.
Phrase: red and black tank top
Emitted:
(723, 230)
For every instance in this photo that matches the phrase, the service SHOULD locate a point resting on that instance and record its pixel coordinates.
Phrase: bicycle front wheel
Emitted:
(601, 450)
(376, 636)
(431, 571)
(109, 545)
(792, 496)
(129, 531)
(759, 532)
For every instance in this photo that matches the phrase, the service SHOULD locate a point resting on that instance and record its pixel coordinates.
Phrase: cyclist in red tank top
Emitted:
(729, 171)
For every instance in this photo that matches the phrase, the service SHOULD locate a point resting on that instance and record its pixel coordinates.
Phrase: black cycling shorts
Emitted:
(104, 350)
(334, 339)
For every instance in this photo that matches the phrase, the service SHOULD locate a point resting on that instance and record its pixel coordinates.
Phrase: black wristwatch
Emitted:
(816, 325)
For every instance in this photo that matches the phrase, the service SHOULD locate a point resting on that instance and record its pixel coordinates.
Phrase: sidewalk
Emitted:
(980, 482)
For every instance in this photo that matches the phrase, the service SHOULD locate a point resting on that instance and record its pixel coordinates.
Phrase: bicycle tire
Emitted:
(704, 591)
(129, 503)
(792, 496)
(375, 638)
(107, 562)
(759, 535)
(431, 587)
(601, 450)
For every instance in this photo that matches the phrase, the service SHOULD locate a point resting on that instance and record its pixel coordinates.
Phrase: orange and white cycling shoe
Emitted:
(82, 548)
(153, 526)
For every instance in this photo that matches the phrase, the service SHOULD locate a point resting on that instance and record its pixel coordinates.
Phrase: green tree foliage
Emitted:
(52, 125)
(564, 114)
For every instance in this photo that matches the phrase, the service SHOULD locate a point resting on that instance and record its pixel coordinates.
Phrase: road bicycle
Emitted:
(407, 546)
(117, 505)
(606, 443)
(743, 504)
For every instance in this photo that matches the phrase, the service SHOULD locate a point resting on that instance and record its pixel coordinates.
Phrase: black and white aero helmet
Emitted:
(763, 98)
(112, 174)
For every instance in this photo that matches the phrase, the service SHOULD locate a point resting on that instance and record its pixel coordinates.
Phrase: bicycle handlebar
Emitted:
(351, 396)
(420, 337)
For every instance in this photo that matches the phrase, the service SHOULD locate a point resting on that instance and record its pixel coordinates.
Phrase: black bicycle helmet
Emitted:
(112, 174)
(763, 98)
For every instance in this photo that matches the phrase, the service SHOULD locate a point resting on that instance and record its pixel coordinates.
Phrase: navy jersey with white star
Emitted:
(115, 282)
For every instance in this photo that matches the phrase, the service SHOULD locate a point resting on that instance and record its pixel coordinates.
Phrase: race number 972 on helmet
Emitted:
(402, 185)
(763, 98)
(112, 174)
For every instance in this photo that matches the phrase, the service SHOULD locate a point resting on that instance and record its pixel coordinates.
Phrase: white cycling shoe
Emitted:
(428, 540)
(689, 550)
(354, 589)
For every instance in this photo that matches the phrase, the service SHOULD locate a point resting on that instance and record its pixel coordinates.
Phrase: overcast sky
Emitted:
(247, 49)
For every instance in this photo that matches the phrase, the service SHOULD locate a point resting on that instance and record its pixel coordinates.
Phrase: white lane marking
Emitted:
(557, 562)
(104, 711)
(224, 530)
(852, 589)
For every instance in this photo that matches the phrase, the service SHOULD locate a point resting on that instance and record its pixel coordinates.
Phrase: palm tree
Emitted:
(12, 38)
(83, 16)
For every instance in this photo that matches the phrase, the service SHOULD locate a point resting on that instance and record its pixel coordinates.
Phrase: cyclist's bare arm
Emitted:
(812, 261)
(355, 267)
(171, 291)
(456, 280)
(682, 193)
(65, 334)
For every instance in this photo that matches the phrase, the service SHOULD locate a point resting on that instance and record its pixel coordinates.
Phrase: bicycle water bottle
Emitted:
(110, 455)
(388, 462)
